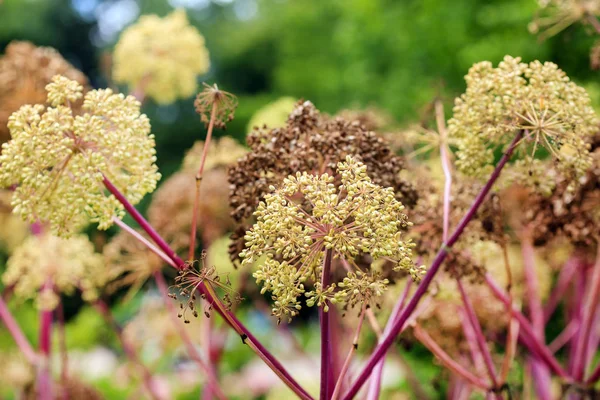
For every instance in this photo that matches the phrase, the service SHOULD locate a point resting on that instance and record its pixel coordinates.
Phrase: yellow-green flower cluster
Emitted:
(57, 160)
(306, 217)
(539, 99)
(273, 115)
(161, 56)
(45, 265)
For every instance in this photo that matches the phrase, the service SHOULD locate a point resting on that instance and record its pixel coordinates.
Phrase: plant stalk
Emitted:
(324, 320)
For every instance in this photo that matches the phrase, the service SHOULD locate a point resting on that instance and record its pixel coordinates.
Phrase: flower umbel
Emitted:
(162, 55)
(358, 218)
(214, 100)
(68, 263)
(537, 98)
(58, 159)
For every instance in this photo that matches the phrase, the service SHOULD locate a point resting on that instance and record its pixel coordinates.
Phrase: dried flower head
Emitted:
(129, 263)
(191, 278)
(214, 100)
(162, 56)
(58, 159)
(555, 16)
(272, 115)
(312, 143)
(25, 70)
(307, 216)
(69, 264)
(537, 98)
(560, 213)
(171, 210)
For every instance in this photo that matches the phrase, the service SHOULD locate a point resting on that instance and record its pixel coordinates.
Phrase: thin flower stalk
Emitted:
(527, 333)
(325, 320)
(471, 341)
(375, 386)
(148, 379)
(245, 334)
(448, 362)
(564, 337)
(478, 333)
(575, 313)
(353, 348)
(567, 273)
(15, 331)
(163, 288)
(512, 336)
(62, 343)
(387, 342)
(594, 377)
(539, 370)
(199, 176)
(44, 379)
(582, 355)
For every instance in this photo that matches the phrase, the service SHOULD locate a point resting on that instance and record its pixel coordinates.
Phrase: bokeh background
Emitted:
(394, 55)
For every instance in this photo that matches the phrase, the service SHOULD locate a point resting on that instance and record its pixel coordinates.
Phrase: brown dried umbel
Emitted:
(214, 100)
(313, 143)
(25, 70)
(574, 215)
(72, 388)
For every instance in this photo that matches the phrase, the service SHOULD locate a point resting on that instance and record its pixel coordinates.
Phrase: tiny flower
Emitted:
(57, 160)
(538, 99)
(307, 216)
(69, 264)
(163, 56)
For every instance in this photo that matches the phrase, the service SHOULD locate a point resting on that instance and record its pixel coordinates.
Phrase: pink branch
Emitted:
(15, 331)
(565, 277)
(44, 379)
(326, 384)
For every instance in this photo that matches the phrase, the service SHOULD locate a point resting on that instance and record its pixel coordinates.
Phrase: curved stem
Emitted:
(247, 337)
(383, 347)
(15, 331)
(44, 379)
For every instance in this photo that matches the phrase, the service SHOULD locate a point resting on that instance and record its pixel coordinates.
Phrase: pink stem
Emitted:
(375, 386)
(129, 350)
(479, 337)
(245, 334)
(589, 314)
(163, 288)
(388, 340)
(44, 380)
(539, 371)
(565, 277)
(527, 333)
(471, 340)
(15, 331)
(324, 320)
(575, 313)
(564, 337)
(64, 373)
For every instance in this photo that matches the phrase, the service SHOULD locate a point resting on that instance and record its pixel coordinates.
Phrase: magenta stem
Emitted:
(15, 331)
(388, 340)
(231, 319)
(478, 333)
(375, 386)
(44, 380)
(129, 350)
(527, 333)
(324, 320)
(589, 315)
(567, 272)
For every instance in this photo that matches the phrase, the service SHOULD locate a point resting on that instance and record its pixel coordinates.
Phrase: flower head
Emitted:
(273, 115)
(537, 98)
(213, 100)
(58, 159)
(69, 264)
(554, 16)
(25, 70)
(162, 55)
(307, 216)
